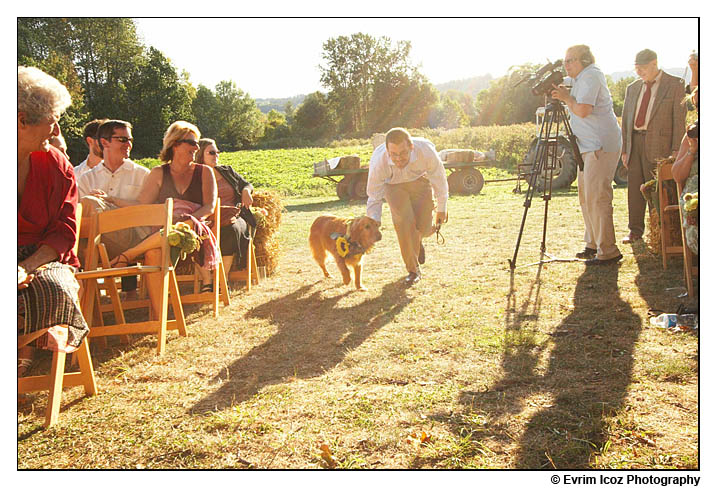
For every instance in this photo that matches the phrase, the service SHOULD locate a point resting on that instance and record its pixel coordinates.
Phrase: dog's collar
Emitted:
(345, 246)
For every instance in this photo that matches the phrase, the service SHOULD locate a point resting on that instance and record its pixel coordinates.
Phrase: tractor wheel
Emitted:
(466, 181)
(566, 168)
(359, 186)
(344, 188)
(621, 176)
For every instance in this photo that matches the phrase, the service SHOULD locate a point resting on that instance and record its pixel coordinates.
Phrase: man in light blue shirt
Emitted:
(403, 171)
(599, 140)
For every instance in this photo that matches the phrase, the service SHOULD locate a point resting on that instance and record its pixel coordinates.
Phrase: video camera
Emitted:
(548, 75)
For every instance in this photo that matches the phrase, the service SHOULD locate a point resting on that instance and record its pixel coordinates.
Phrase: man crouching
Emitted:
(403, 171)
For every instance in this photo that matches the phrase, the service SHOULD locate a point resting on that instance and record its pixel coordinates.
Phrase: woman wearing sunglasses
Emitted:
(194, 191)
(235, 193)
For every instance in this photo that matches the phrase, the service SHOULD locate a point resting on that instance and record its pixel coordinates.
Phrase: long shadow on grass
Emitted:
(314, 335)
(658, 288)
(585, 381)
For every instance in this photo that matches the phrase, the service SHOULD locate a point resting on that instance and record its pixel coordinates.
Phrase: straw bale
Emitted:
(265, 243)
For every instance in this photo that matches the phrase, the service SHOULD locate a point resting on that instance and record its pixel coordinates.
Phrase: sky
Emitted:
(276, 58)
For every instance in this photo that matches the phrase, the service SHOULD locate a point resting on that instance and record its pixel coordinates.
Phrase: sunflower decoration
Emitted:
(342, 246)
(691, 207)
(183, 240)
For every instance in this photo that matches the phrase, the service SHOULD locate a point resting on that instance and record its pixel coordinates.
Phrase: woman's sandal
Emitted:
(207, 288)
(121, 258)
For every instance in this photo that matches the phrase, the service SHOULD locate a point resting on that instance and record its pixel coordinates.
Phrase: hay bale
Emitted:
(653, 234)
(265, 242)
(457, 155)
(351, 162)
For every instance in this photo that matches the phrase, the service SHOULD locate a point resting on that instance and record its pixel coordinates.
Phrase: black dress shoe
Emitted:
(412, 278)
(586, 254)
(422, 254)
(610, 261)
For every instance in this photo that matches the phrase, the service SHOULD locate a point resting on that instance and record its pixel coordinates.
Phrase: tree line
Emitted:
(371, 86)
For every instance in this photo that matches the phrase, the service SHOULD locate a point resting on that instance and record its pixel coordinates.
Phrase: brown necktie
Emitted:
(641, 118)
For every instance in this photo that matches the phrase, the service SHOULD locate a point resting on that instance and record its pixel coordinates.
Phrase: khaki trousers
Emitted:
(595, 194)
(411, 206)
(640, 171)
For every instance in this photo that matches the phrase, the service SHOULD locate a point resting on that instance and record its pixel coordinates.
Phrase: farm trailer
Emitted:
(464, 178)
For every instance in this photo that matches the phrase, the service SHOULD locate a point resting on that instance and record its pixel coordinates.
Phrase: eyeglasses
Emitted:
(213, 153)
(123, 139)
(401, 156)
(568, 60)
(191, 142)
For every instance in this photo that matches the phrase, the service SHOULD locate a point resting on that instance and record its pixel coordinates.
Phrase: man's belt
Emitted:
(641, 132)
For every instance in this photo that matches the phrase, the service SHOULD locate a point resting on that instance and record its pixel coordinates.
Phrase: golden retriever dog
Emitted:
(360, 234)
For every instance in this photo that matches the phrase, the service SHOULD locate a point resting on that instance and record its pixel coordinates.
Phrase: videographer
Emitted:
(599, 140)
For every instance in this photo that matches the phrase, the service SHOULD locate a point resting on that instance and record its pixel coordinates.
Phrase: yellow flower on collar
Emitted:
(342, 246)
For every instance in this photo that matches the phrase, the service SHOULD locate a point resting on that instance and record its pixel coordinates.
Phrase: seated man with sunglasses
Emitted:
(403, 171)
(113, 183)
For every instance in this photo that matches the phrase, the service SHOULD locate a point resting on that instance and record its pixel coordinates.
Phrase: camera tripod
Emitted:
(543, 166)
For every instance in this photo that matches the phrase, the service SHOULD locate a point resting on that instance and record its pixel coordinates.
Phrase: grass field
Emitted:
(475, 367)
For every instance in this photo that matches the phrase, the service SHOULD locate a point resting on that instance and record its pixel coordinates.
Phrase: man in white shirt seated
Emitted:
(115, 182)
(403, 171)
(94, 156)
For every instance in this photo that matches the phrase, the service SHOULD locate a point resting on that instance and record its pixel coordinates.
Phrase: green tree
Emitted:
(314, 118)
(207, 112)
(448, 114)
(505, 102)
(158, 97)
(289, 112)
(107, 53)
(466, 102)
(401, 99)
(369, 78)
(618, 92)
(275, 126)
(240, 119)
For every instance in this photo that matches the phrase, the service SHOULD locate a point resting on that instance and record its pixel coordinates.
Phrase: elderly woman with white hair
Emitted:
(46, 225)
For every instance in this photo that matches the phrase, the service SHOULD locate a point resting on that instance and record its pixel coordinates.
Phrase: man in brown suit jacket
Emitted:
(654, 121)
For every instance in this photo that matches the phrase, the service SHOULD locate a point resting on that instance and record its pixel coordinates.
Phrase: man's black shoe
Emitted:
(586, 254)
(610, 261)
(422, 254)
(412, 278)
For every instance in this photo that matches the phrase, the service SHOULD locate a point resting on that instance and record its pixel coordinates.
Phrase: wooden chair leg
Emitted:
(255, 273)
(86, 369)
(54, 395)
(177, 305)
(224, 288)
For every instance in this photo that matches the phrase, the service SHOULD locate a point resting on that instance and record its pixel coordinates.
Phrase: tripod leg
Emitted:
(537, 169)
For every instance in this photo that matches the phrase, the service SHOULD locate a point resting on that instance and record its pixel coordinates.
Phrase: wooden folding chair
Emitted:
(219, 278)
(98, 267)
(668, 212)
(57, 378)
(689, 269)
(249, 274)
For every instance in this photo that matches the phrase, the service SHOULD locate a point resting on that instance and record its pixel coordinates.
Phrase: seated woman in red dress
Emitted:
(46, 226)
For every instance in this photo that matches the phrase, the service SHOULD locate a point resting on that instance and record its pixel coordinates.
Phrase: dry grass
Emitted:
(552, 366)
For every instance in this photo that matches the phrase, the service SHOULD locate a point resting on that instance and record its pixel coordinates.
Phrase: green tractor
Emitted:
(566, 166)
